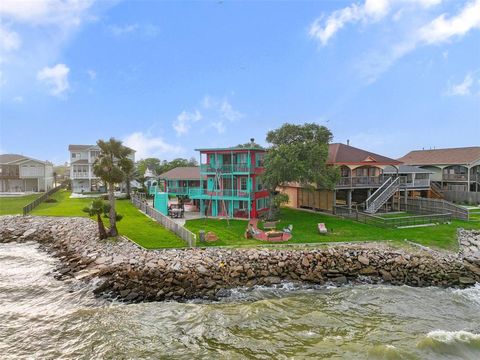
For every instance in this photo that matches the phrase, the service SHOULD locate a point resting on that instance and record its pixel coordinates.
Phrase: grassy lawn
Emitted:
(14, 204)
(138, 227)
(305, 231)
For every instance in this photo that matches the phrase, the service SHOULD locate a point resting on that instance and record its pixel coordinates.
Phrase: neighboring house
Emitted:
(361, 174)
(82, 158)
(180, 180)
(20, 173)
(452, 169)
(227, 183)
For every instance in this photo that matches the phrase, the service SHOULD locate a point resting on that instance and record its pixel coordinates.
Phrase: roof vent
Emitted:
(348, 142)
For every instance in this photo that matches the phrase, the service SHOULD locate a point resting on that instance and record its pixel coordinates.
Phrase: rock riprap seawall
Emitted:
(135, 274)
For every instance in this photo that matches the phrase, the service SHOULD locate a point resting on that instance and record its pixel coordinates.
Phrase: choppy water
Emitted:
(41, 317)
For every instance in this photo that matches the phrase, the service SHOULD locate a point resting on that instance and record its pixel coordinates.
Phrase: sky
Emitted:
(390, 76)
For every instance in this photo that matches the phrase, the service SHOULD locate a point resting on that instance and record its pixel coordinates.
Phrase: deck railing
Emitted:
(29, 207)
(226, 168)
(392, 222)
(189, 237)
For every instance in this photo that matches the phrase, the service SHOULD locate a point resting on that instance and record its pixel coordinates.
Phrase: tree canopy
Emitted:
(159, 166)
(298, 153)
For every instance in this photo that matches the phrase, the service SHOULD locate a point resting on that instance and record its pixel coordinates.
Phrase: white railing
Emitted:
(189, 237)
(373, 205)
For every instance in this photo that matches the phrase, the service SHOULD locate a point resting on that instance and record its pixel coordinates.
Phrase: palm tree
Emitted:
(108, 167)
(128, 168)
(97, 208)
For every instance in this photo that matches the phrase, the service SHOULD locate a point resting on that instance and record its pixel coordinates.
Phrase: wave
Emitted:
(461, 344)
(471, 294)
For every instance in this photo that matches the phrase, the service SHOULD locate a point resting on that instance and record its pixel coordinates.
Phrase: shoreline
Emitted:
(135, 274)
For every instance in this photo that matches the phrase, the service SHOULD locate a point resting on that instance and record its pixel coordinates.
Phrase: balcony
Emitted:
(80, 175)
(226, 168)
(455, 177)
(417, 183)
(360, 181)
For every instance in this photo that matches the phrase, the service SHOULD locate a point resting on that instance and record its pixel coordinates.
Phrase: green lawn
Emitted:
(15, 204)
(305, 231)
(138, 227)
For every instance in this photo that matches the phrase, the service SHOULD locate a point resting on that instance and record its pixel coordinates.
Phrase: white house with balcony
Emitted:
(19, 174)
(82, 158)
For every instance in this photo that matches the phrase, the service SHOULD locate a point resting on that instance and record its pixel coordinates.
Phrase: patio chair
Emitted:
(322, 229)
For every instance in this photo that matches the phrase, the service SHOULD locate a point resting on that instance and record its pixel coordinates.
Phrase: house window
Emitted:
(344, 172)
(262, 203)
(260, 159)
(242, 205)
(259, 184)
(243, 184)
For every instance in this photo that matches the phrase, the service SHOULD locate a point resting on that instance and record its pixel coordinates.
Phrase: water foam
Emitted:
(450, 337)
(472, 294)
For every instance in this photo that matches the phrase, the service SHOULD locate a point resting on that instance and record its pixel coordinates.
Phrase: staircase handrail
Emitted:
(384, 195)
(377, 192)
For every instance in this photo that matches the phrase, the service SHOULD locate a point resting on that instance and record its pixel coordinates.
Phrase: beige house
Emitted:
(19, 173)
(455, 169)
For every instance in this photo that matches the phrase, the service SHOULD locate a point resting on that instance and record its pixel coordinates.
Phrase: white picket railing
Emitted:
(189, 237)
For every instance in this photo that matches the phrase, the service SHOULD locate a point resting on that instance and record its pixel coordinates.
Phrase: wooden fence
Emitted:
(426, 206)
(392, 222)
(29, 207)
(470, 197)
(189, 237)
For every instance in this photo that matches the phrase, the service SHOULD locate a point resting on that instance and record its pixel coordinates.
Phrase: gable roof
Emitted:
(345, 154)
(182, 173)
(450, 156)
(16, 159)
(80, 147)
(8, 158)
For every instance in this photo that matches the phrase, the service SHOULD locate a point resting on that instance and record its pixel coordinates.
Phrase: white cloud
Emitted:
(18, 99)
(216, 112)
(9, 40)
(56, 78)
(118, 30)
(146, 146)
(147, 30)
(184, 120)
(323, 29)
(40, 12)
(463, 88)
(92, 74)
(442, 29)
(409, 34)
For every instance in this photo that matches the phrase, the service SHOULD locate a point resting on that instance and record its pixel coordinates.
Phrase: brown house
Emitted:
(361, 174)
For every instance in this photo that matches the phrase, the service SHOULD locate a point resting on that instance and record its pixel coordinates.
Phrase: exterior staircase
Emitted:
(381, 195)
(436, 191)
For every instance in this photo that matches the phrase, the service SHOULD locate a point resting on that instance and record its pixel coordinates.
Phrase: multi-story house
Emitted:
(82, 158)
(230, 182)
(20, 173)
(452, 169)
(363, 177)
(227, 183)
